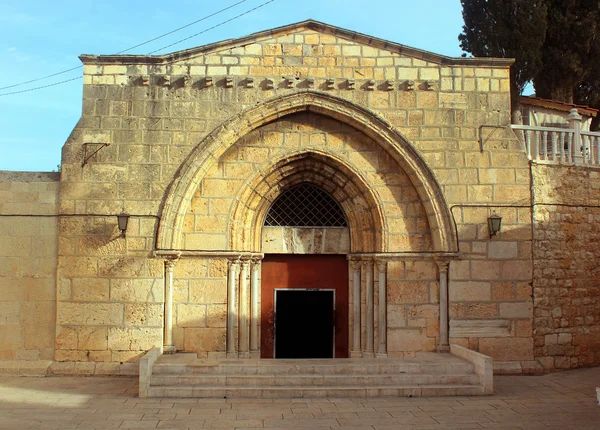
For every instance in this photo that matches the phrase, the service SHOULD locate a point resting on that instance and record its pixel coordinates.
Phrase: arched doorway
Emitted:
(304, 293)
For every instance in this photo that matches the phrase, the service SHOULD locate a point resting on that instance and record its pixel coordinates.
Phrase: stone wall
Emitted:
(150, 117)
(28, 246)
(566, 277)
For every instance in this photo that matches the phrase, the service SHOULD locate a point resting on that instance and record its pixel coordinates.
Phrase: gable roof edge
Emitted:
(311, 24)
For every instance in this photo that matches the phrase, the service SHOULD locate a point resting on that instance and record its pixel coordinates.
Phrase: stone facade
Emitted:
(28, 255)
(566, 280)
(196, 145)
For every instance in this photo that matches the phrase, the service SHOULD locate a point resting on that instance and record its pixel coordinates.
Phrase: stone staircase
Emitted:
(429, 374)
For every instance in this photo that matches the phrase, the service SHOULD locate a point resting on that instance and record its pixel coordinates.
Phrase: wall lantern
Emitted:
(494, 224)
(123, 219)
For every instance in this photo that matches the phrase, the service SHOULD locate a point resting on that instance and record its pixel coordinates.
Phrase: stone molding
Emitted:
(208, 152)
(308, 24)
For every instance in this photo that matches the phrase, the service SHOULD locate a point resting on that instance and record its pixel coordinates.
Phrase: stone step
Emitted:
(339, 368)
(332, 380)
(315, 392)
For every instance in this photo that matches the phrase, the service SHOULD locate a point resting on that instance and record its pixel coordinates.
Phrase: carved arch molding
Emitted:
(368, 231)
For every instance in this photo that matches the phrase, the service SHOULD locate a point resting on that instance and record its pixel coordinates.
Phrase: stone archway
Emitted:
(208, 152)
(360, 204)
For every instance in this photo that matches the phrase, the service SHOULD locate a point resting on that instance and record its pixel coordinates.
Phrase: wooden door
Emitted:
(319, 272)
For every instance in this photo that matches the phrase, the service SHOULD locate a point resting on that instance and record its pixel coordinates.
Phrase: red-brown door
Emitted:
(326, 272)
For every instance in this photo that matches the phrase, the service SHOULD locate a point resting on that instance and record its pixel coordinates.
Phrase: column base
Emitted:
(169, 349)
(443, 348)
(381, 355)
(254, 354)
(355, 354)
(232, 355)
(244, 355)
(368, 354)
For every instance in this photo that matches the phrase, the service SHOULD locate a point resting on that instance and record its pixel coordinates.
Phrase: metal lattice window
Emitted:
(305, 205)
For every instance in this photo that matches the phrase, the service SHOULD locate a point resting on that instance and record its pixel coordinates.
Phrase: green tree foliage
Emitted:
(571, 52)
(509, 29)
(588, 93)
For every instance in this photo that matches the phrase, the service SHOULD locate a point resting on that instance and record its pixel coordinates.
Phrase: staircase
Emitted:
(429, 374)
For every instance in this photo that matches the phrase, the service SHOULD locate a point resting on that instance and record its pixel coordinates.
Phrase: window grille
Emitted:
(305, 205)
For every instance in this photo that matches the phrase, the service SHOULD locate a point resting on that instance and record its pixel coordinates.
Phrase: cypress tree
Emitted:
(508, 29)
(571, 52)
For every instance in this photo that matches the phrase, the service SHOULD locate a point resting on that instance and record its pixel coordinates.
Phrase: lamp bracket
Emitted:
(86, 155)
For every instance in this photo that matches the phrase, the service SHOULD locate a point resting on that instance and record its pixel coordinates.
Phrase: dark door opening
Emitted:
(304, 323)
(292, 272)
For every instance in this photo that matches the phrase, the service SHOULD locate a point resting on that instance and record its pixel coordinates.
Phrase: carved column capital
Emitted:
(381, 264)
(442, 265)
(170, 263)
(256, 260)
(355, 264)
(367, 263)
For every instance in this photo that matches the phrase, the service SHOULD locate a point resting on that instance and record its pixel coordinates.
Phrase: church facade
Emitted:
(303, 192)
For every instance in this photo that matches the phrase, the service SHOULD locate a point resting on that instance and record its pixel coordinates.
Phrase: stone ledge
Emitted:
(483, 365)
(8, 175)
(518, 368)
(66, 368)
(24, 368)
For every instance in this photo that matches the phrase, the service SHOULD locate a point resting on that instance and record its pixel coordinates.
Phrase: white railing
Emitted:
(561, 145)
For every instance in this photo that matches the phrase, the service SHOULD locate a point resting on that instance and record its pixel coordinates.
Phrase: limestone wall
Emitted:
(28, 247)
(147, 117)
(566, 277)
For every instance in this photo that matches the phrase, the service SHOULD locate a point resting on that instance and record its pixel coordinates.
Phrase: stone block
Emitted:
(485, 270)
(502, 250)
(191, 315)
(421, 270)
(205, 241)
(90, 290)
(92, 338)
(89, 313)
(516, 310)
(481, 310)
(396, 316)
(208, 291)
(469, 291)
(133, 339)
(136, 290)
(508, 348)
(216, 315)
(204, 339)
(408, 292)
(479, 328)
(38, 336)
(144, 314)
(66, 338)
(10, 313)
(519, 270)
(400, 340)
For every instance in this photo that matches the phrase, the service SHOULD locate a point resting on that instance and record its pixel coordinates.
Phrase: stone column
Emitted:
(356, 327)
(254, 309)
(369, 351)
(382, 309)
(168, 346)
(443, 345)
(243, 333)
(231, 306)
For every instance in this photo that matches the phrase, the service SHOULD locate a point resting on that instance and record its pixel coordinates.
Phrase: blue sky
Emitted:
(39, 37)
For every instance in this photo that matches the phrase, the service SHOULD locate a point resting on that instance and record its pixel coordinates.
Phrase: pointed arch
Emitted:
(361, 205)
(209, 151)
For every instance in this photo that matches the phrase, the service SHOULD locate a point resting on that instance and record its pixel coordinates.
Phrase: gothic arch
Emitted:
(208, 152)
(362, 207)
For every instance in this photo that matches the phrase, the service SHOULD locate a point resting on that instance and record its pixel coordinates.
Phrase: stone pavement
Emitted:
(564, 400)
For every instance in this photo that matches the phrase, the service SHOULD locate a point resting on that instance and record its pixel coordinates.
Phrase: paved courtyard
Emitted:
(564, 400)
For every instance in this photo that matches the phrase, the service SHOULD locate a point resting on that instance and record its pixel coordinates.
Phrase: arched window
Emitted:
(305, 205)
